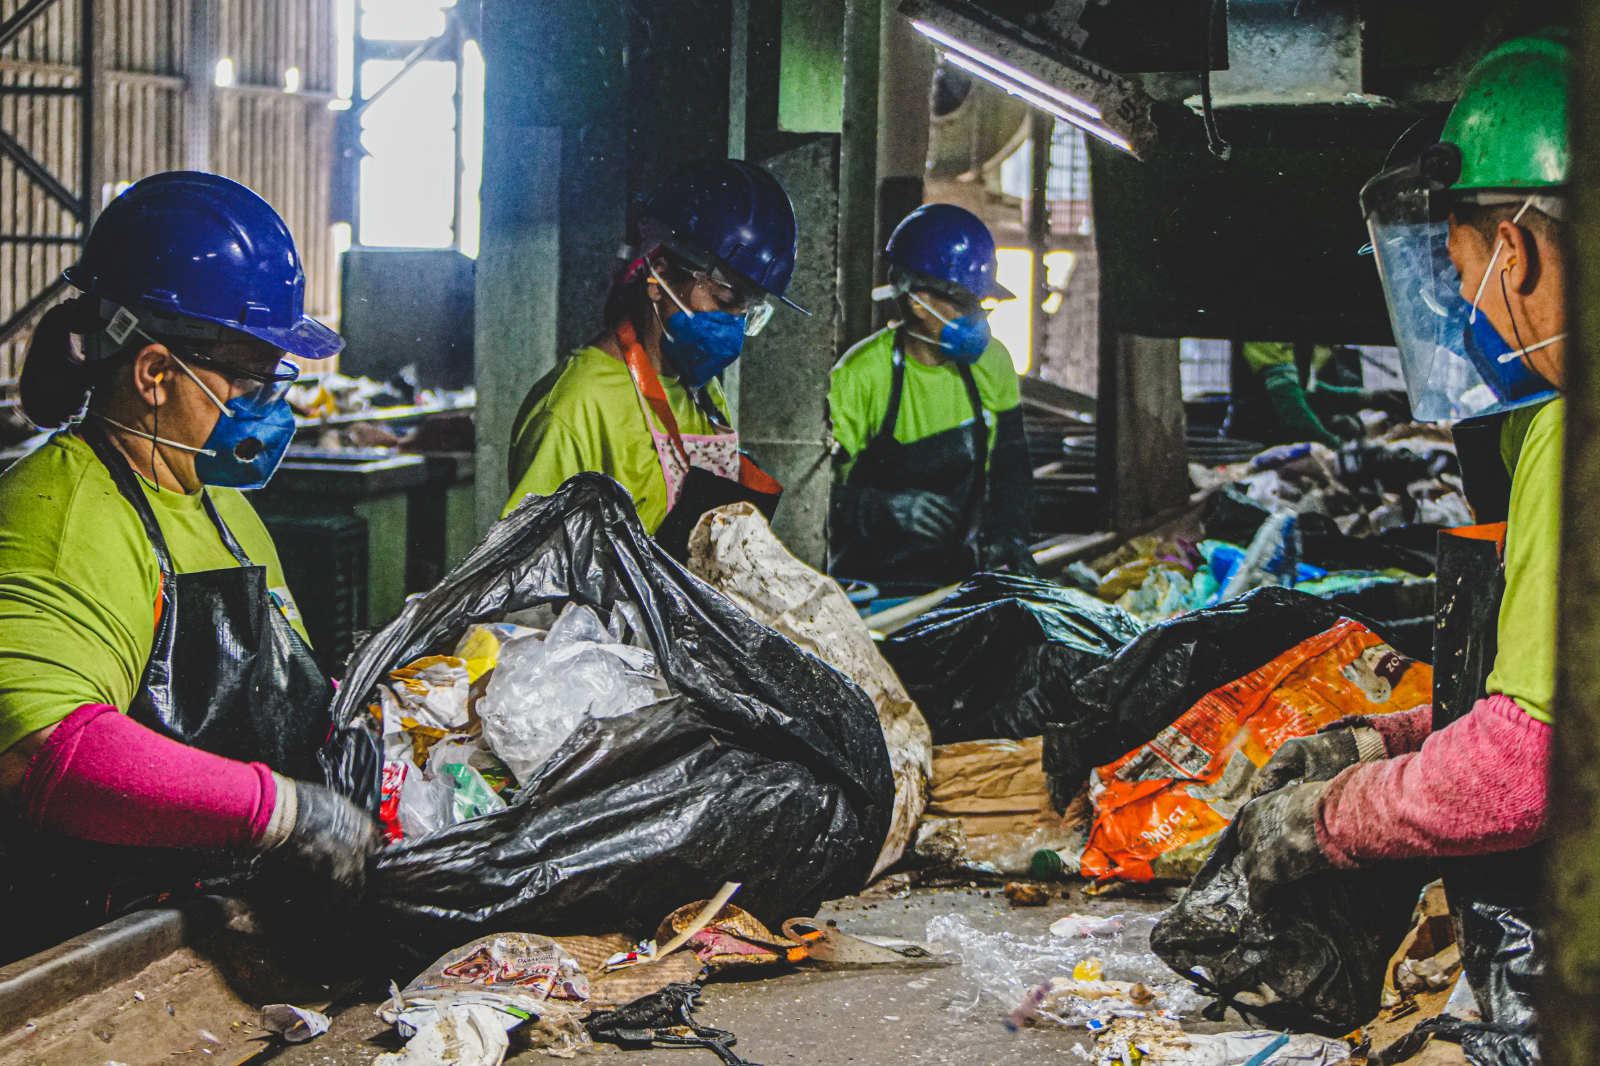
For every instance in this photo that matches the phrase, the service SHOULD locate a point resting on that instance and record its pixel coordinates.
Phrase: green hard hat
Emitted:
(1511, 120)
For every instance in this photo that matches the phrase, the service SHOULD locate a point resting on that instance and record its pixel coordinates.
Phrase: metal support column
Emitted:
(1570, 996)
(1040, 136)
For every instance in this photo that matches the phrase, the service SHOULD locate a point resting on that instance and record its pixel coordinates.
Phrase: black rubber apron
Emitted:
(228, 674)
(1493, 898)
(953, 464)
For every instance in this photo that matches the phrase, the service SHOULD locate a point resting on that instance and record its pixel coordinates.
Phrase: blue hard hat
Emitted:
(949, 244)
(733, 211)
(186, 244)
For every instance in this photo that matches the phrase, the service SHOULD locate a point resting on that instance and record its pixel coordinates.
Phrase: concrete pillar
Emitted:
(554, 194)
(858, 169)
(1569, 1011)
(784, 372)
(1142, 456)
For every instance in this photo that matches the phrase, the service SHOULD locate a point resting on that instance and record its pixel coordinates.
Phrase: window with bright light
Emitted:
(402, 20)
(1011, 322)
(408, 179)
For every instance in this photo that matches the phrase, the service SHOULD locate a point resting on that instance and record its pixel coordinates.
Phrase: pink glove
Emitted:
(1402, 731)
(102, 776)
(1476, 786)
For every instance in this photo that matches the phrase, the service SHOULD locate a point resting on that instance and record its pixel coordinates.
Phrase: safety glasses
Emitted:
(270, 387)
(755, 310)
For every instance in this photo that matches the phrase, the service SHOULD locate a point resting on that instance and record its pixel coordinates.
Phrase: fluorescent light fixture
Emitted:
(1004, 69)
(1040, 64)
(224, 76)
(994, 77)
(291, 80)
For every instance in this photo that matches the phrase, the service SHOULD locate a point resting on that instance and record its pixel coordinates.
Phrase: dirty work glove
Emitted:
(317, 832)
(1318, 758)
(1278, 839)
(1010, 552)
(929, 515)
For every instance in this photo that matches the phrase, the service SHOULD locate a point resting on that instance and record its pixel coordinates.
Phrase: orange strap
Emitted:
(649, 385)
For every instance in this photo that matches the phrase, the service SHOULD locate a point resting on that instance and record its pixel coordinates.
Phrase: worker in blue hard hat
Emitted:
(160, 712)
(708, 252)
(932, 477)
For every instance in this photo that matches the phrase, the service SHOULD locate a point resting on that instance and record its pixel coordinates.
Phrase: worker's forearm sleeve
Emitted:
(1010, 479)
(1290, 407)
(1402, 732)
(1477, 786)
(102, 776)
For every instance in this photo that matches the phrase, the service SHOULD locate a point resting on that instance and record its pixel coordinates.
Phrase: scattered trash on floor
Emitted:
(295, 1024)
(1071, 981)
(664, 1020)
(1160, 1040)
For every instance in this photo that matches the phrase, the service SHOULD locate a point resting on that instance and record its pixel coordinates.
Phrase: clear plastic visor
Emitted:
(1408, 221)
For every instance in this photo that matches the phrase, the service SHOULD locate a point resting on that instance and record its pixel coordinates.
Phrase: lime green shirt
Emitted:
(79, 580)
(1525, 664)
(586, 415)
(933, 400)
(1262, 354)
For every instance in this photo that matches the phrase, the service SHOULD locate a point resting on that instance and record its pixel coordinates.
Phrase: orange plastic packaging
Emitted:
(1159, 808)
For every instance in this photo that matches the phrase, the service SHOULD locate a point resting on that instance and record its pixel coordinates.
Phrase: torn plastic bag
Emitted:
(767, 767)
(1164, 672)
(1313, 960)
(999, 658)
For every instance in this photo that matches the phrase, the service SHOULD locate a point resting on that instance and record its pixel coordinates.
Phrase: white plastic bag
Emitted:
(542, 690)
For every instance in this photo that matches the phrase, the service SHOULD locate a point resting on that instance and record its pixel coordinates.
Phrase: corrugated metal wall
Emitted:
(277, 143)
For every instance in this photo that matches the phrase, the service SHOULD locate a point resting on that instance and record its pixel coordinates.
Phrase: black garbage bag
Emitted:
(1312, 960)
(1162, 673)
(768, 767)
(997, 660)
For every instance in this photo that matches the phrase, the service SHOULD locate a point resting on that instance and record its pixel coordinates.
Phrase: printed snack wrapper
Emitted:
(1159, 809)
(521, 963)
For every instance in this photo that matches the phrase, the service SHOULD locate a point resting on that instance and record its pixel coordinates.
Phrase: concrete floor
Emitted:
(871, 1018)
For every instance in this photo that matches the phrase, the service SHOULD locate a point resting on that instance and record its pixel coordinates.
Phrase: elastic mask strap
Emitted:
(153, 439)
(203, 388)
(924, 305)
(668, 290)
(1532, 347)
(1495, 258)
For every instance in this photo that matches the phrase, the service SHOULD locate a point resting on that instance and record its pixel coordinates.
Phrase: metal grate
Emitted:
(1069, 181)
(1204, 367)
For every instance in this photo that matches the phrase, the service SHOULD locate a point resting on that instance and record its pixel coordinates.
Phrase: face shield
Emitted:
(1449, 374)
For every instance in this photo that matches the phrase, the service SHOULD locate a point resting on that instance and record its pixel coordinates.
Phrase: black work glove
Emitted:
(1011, 553)
(1314, 758)
(928, 515)
(330, 843)
(1278, 839)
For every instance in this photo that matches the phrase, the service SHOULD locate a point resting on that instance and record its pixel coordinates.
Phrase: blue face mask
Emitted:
(962, 340)
(1502, 367)
(249, 440)
(700, 344)
(703, 344)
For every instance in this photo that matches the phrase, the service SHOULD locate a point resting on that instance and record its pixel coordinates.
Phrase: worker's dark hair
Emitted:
(1486, 219)
(58, 380)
